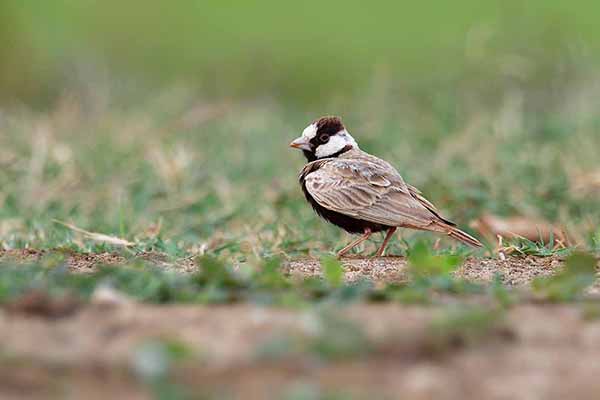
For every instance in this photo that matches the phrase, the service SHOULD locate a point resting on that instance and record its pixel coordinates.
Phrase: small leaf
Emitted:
(214, 271)
(333, 271)
(569, 284)
(269, 276)
(580, 263)
(424, 264)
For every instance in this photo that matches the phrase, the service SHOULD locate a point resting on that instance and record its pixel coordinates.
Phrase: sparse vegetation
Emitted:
(158, 199)
(154, 239)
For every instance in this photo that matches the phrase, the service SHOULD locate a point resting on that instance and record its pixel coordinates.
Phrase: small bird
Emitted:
(361, 193)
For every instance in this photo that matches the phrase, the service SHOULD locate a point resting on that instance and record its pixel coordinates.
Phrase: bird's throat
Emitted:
(310, 156)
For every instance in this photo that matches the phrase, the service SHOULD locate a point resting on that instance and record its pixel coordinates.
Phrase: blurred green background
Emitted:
(297, 51)
(168, 122)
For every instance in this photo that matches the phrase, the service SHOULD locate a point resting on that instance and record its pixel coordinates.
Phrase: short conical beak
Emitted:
(301, 143)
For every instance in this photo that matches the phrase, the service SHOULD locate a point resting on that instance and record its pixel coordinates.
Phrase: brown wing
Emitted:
(364, 190)
(416, 193)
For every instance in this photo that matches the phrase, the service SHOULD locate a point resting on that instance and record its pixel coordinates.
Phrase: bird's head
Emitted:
(325, 137)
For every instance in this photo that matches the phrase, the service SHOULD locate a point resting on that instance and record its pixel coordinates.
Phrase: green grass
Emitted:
(184, 176)
(212, 177)
(167, 125)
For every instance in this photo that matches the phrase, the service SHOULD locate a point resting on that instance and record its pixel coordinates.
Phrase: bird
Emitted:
(361, 193)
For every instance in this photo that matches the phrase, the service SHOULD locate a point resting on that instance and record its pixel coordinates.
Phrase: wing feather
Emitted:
(365, 190)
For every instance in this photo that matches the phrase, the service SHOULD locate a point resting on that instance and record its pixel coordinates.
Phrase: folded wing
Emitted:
(365, 190)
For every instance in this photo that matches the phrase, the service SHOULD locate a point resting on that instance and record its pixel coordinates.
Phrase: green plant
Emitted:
(569, 284)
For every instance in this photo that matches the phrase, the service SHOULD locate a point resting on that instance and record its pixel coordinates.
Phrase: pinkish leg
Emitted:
(358, 241)
(388, 236)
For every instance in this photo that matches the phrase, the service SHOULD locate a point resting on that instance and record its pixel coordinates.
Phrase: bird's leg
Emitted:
(388, 236)
(354, 243)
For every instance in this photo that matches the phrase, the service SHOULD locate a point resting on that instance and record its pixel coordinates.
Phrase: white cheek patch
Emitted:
(310, 131)
(335, 144)
(348, 137)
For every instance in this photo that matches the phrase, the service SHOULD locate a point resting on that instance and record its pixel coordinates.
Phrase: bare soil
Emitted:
(513, 270)
(89, 262)
(539, 351)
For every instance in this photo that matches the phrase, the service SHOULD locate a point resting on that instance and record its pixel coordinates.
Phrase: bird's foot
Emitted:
(342, 254)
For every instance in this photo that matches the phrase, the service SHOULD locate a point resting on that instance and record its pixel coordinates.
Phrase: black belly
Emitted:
(349, 224)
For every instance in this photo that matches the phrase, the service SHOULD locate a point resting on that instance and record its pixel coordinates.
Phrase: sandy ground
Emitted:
(538, 351)
(514, 270)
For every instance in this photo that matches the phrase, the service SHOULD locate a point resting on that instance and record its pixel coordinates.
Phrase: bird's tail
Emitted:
(463, 237)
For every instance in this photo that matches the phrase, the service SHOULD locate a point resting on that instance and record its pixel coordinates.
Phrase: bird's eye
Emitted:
(324, 137)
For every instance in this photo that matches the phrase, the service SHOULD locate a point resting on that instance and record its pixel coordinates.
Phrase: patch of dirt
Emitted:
(382, 269)
(516, 271)
(77, 262)
(89, 262)
(22, 255)
(551, 353)
(40, 303)
(513, 271)
(59, 349)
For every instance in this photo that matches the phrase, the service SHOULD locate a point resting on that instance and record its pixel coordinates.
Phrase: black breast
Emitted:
(349, 224)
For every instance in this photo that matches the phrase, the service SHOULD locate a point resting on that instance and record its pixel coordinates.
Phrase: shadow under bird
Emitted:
(361, 193)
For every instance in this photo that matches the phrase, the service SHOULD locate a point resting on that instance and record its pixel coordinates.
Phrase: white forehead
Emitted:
(310, 131)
